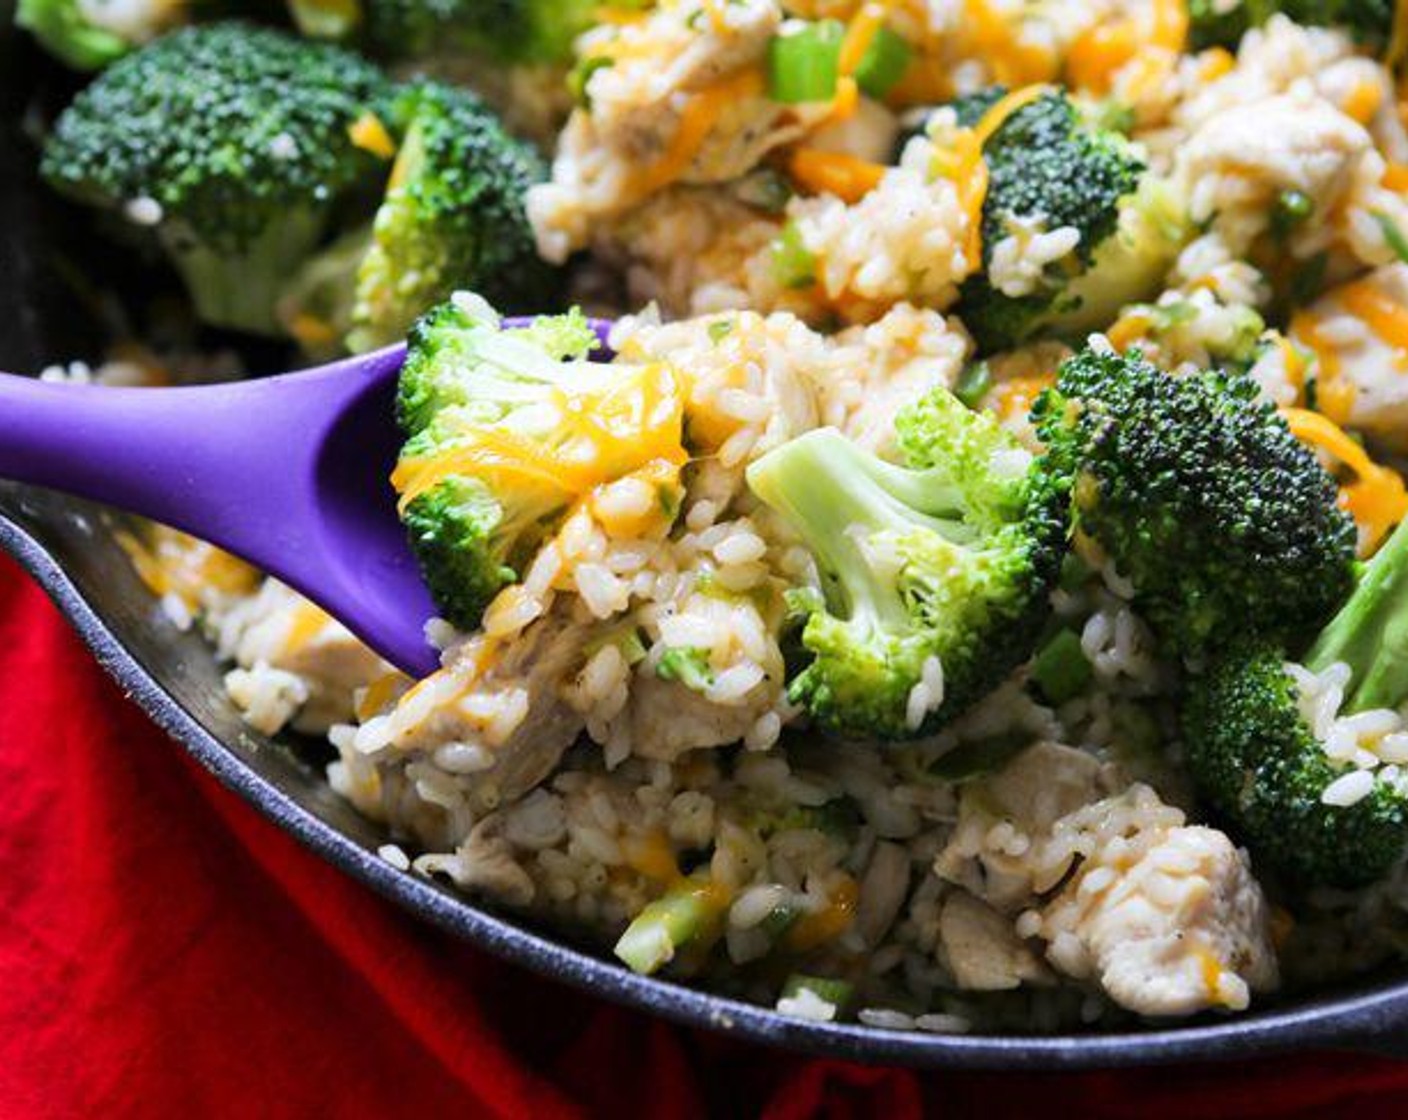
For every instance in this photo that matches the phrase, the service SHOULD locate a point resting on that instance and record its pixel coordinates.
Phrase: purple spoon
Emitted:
(289, 472)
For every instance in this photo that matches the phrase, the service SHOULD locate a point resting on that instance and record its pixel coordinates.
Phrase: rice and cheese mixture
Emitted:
(616, 748)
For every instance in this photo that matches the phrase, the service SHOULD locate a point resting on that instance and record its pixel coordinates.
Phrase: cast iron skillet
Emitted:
(68, 547)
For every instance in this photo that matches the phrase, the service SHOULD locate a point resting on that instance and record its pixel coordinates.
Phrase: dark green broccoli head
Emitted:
(453, 218)
(1224, 522)
(1257, 763)
(233, 143)
(1047, 163)
(509, 430)
(936, 571)
(1215, 24)
(522, 31)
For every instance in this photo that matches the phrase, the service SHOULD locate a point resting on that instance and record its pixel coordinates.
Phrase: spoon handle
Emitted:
(233, 463)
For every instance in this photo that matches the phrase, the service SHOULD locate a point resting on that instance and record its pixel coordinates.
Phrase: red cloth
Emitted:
(165, 951)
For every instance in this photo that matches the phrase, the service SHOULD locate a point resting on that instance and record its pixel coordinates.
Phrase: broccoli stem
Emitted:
(831, 490)
(1370, 632)
(240, 290)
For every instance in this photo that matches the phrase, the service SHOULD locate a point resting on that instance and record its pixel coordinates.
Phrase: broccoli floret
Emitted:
(1258, 762)
(1223, 521)
(453, 218)
(90, 36)
(508, 430)
(1215, 24)
(938, 570)
(518, 31)
(1048, 164)
(232, 143)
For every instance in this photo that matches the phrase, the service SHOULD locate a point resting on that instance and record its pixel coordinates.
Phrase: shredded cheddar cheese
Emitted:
(865, 25)
(1013, 397)
(992, 37)
(1381, 314)
(700, 116)
(307, 623)
(368, 133)
(598, 437)
(1396, 177)
(960, 160)
(827, 923)
(1363, 101)
(1334, 397)
(1128, 329)
(848, 178)
(1377, 498)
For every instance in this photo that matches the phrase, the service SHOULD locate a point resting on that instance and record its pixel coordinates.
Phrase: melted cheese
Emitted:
(599, 437)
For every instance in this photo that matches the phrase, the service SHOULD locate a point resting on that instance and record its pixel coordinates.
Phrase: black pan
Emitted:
(67, 545)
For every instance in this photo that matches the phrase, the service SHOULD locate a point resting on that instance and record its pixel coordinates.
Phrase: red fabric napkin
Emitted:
(164, 951)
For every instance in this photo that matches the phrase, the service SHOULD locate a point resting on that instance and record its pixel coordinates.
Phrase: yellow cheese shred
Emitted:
(368, 133)
(599, 437)
(700, 116)
(1377, 498)
(848, 178)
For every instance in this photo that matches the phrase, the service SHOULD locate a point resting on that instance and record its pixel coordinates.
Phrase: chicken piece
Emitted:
(1168, 921)
(998, 850)
(485, 862)
(1240, 160)
(284, 644)
(681, 99)
(983, 951)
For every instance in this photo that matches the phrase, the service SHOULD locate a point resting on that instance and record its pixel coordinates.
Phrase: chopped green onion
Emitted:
(687, 664)
(1392, 235)
(685, 915)
(720, 330)
(1060, 669)
(883, 64)
(1291, 209)
(973, 384)
(582, 74)
(838, 993)
(793, 264)
(805, 65)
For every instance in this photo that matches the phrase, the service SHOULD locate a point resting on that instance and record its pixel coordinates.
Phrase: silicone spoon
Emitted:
(289, 472)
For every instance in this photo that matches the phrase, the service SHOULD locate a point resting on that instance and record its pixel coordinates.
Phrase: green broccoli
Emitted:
(518, 31)
(1218, 24)
(233, 143)
(508, 430)
(935, 575)
(1223, 521)
(453, 218)
(87, 37)
(1258, 762)
(1047, 163)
